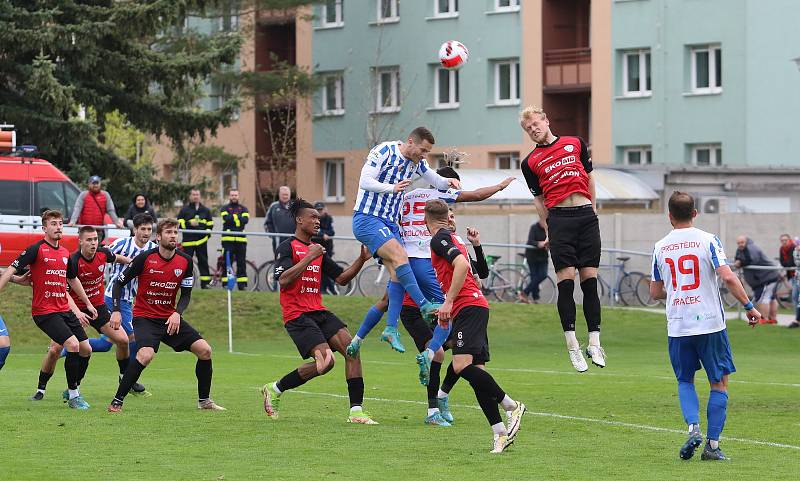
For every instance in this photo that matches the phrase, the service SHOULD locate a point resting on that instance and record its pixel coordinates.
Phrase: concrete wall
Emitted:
(638, 232)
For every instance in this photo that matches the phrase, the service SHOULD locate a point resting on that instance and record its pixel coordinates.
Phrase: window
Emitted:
(506, 160)
(16, 198)
(388, 11)
(636, 74)
(227, 180)
(331, 14)
(506, 82)
(218, 93)
(50, 195)
(228, 20)
(706, 69)
(387, 89)
(437, 161)
(445, 8)
(333, 179)
(709, 155)
(506, 5)
(333, 95)
(446, 95)
(642, 155)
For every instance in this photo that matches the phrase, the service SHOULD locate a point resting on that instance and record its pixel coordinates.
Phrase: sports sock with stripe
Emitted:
(371, 320)
(406, 277)
(716, 412)
(396, 294)
(690, 404)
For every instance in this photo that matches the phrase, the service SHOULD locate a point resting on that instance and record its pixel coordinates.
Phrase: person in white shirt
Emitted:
(686, 264)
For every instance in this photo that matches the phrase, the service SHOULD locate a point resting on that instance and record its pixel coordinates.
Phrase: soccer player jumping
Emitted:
(317, 332)
(559, 174)
(156, 316)
(686, 264)
(467, 309)
(387, 172)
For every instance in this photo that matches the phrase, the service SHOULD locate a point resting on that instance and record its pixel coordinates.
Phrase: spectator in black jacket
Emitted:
(764, 282)
(537, 262)
(140, 205)
(324, 238)
(279, 220)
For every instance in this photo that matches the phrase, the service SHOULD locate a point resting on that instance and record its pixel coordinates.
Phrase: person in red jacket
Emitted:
(91, 207)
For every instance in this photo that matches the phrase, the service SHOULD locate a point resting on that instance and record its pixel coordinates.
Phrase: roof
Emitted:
(611, 186)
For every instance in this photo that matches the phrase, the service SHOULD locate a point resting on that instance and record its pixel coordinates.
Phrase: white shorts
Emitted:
(765, 294)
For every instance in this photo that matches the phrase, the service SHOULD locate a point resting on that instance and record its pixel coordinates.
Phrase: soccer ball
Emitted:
(453, 54)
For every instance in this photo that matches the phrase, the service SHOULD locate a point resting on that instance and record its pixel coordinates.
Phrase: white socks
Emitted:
(356, 409)
(594, 338)
(692, 428)
(508, 403)
(499, 429)
(432, 411)
(572, 341)
(275, 388)
(357, 339)
(73, 393)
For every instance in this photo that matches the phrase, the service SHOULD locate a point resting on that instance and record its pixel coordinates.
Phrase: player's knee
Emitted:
(145, 355)
(5, 341)
(202, 350)
(71, 345)
(460, 364)
(438, 356)
(85, 349)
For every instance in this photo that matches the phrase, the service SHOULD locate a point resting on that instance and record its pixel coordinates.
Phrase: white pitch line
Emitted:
(552, 371)
(641, 427)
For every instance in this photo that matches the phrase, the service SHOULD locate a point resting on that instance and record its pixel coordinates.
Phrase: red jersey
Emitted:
(446, 246)
(558, 170)
(49, 274)
(91, 273)
(303, 295)
(159, 280)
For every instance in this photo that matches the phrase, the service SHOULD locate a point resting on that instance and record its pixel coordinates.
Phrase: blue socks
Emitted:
(439, 337)
(100, 344)
(3, 355)
(406, 277)
(371, 320)
(717, 412)
(396, 295)
(690, 404)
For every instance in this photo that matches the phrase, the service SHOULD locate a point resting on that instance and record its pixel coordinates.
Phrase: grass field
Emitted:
(622, 422)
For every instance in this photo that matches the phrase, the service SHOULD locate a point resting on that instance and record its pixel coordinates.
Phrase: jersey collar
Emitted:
(551, 143)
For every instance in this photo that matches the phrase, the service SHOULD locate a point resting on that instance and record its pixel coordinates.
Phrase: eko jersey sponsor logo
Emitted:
(570, 159)
(56, 272)
(163, 285)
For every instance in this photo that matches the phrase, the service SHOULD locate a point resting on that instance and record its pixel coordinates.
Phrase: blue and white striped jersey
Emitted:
(385, 166)
(127, 247)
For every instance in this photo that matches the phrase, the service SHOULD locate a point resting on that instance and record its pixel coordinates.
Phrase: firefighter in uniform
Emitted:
(196, 216)
(234, 218)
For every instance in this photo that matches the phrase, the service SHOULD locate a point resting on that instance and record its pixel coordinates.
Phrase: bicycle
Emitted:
(219, 271)
(372, 280)
(626, 290)
(266, 273)
(502, 283)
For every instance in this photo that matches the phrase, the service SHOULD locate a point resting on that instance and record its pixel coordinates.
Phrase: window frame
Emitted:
(338, 94)
(513, 82)
(513, 6)
(454, 100)
(223, 191)
(452, 9)
(511, 155)
(713, 87)
(714, 154)
(394, 10)
(644, 75)
(338, 15)
(645, 154)
(338, 167)
(381, 107)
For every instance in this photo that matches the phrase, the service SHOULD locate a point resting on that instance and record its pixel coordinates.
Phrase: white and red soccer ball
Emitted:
(453, 54)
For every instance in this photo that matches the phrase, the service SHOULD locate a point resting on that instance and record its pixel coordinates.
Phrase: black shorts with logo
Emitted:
(103, 316)
(574, 235)
(60, 326)
(469, 334)
(312, 329)
(151, 332)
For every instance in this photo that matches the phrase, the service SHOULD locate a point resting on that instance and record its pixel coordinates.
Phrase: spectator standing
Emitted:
(786, 258)
(324, 238)
(279, 220)
(140, 205)
(196, 216)
(91, 207)
(234, 219)
(764, 282)
(537, 258)
(796, 284)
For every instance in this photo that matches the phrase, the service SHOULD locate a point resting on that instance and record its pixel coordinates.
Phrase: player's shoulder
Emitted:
(285, 246)
(443, 237)
(186, 256)
(75, 256)
(147, 252)
(384, 148)
(119, 243)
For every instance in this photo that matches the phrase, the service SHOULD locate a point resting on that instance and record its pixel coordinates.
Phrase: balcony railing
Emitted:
(568, 69)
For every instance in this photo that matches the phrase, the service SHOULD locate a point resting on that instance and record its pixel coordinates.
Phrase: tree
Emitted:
(128, 58)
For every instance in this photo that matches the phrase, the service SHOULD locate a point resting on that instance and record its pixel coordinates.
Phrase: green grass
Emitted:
(631, 407)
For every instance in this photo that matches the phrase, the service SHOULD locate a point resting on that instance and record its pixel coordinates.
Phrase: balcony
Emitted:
(567, 70)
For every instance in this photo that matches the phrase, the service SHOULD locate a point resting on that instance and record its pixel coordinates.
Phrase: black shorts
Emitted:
(103, 316)
(420, 330)
(150, 332)
(574, 235)
(60, 326)
(469, 334)
(312, 329)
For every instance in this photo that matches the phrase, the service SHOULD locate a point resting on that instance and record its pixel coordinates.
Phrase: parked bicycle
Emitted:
(267, 281)
(547, 288)
(218, 272)
(626, 290)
